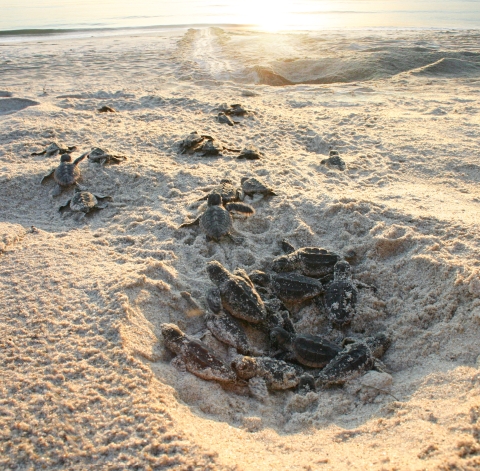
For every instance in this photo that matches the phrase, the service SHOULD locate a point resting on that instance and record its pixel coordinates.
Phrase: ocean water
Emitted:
(277, 15)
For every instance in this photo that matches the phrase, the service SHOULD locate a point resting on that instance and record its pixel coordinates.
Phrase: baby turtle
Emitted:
(255, 186)
(334, 160)
(309, 350)
(216, 221)
(103, 157)
(224, 119)
(263, 373)
(194, 356)
(227, 191)
(193, 142)
(106, 109)
(237, 295)
(309, 261)
(341, 295)
(233, 110)
(250, 152)
(289, 287)
(354, 359)
(82, 202)
(54, 149)
(226, 329)
(66, 174)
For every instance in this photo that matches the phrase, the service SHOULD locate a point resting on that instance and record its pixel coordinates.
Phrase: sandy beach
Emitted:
(86, 380)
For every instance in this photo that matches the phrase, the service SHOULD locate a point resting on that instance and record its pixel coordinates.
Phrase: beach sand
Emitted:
(85, 378)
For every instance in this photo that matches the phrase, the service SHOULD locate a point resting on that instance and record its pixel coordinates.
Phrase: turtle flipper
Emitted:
(240, 208)
(214, 300)
(48, 175)
(77, 161)
(190, 224)
(102, 204)
(39, 153)
(287, 247)
(64, 206)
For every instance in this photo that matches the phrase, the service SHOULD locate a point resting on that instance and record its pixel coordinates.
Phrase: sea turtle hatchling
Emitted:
(355, 358)
(195, 357)
(341, 295)
(289, 287)
(236, 294)
(54, 149)
(82, 202)
(334, 160)
(309, 350)
(250, 152)
(309, 261)
(233, 110)
(216, 221)
(66, 174)
(226, 329)
(264, 373)
(104, 157)
(206, 145)
(255, 186)
(228, 191)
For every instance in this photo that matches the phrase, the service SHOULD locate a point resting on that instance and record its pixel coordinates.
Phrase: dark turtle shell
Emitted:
(314, 351)
(310, 261)
(353, 359)
(294, 288)
(340, 301)
(239, 297)
(226, 329)
(216, 222)
(83, 201)
(250, 152)
(68, 173)
(277, 373)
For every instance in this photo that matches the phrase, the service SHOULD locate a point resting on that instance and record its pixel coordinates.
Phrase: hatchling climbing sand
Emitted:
(236, 294)
(194, 357)
(359, 356)
(309, 261)
(66, 174)
(216, 221)
(289, 287)
(264, 373)
(226, 329)
(83, 202)
(309, 350)
(104, 157)
(255, 186)
(250, 152)
(227, 190)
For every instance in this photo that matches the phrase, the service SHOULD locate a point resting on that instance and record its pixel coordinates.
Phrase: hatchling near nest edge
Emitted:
(236, 294)
(82, 202)
(217, 221)
(104, 157)
(309, 350)
(194, 357)
(54, 149)
(66, 174)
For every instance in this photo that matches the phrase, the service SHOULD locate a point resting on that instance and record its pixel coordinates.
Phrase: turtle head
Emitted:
(217, 272)
(259, 278)
(378, 344)
(243, 180)
(281, 264)
(214, 199)
(173, 337)
(226, 180)
(281, 337)
(245, 367)
(342, 270)
(66, 158)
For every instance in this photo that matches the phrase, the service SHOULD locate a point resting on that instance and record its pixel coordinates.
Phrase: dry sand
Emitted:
(86, 381)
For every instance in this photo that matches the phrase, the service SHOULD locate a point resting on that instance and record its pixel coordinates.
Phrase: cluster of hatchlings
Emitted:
(241, 302)
(68, 174)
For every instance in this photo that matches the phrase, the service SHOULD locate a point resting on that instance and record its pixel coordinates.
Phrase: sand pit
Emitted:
(86, 380)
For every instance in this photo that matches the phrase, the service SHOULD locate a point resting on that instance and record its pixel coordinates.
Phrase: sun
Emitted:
(273, 15)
